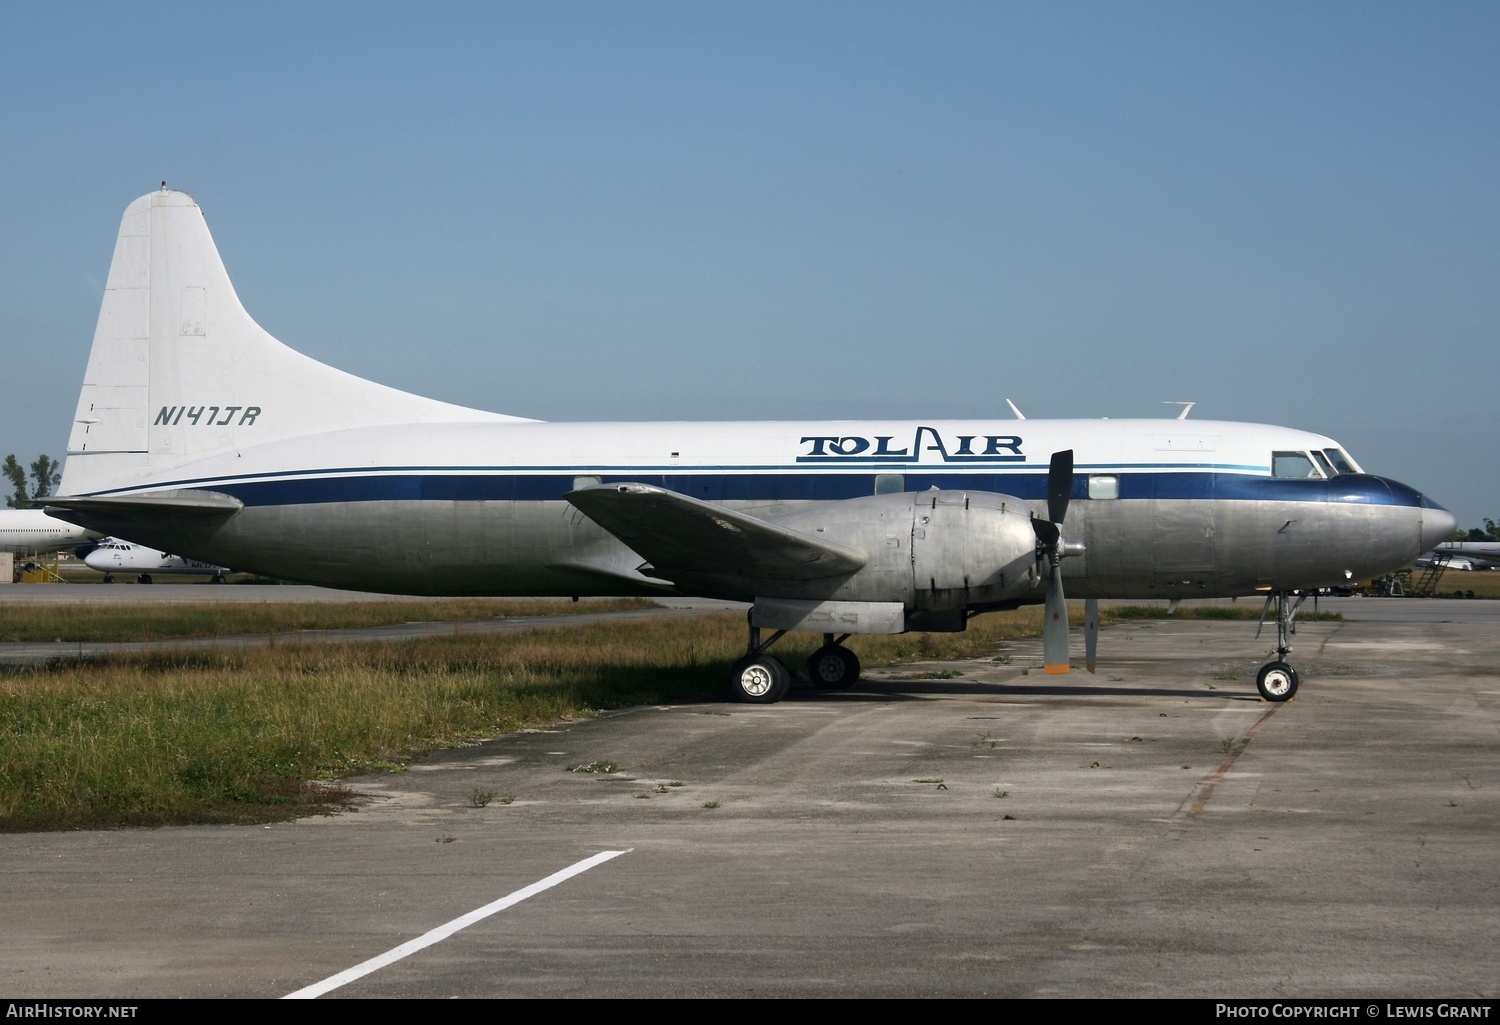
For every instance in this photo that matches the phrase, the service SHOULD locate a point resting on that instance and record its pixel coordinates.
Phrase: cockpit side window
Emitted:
(1292, 464)
(1324, 464)
(1341, 462)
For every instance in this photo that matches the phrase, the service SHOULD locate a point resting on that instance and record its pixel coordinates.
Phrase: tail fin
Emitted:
(179, 371)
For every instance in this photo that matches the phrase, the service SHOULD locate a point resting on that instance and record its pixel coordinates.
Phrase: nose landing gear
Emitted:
(1277, 681)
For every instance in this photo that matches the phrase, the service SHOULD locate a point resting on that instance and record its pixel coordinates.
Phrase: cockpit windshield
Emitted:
(1341, 462)
(1315, 464)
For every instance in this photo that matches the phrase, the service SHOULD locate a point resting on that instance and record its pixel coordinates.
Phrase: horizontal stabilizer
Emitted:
(116, 514)
(680, 535)
(201, 503)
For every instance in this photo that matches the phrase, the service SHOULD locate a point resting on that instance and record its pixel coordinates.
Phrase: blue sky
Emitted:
(591, 211)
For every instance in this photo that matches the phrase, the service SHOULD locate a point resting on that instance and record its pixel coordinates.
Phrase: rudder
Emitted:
(179, 371)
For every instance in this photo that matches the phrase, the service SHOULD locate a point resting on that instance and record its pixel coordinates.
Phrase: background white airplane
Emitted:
(1468, 554)
(198, 432)
(113, 555)
(33, 532)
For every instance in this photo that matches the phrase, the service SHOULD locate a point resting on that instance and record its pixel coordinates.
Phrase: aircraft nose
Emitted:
(1438, 525)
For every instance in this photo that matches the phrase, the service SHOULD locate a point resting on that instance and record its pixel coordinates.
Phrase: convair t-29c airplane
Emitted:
(200, 433)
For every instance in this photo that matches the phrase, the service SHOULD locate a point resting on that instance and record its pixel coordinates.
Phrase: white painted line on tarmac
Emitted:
(447, 929)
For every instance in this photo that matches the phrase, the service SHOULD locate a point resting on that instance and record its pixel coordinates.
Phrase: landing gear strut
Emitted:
(762, 679)
(758, 678)
(1277, 681)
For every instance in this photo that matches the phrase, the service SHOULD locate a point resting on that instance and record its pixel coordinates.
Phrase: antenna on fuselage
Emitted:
(1019, 415)
(1186, 407)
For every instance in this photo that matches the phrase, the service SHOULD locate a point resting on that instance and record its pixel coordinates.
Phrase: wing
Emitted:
(681, 536)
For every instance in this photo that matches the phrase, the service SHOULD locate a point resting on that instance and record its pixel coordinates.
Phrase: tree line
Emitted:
(1491, 532)
(46, 474)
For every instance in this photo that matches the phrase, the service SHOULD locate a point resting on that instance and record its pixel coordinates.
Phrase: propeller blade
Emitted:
(1050, 547)
(1055, 628)
(1090, 632)
(1047, 534)
(1059, 485)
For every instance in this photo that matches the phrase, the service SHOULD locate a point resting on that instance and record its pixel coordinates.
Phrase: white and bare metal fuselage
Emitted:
(1163, 508)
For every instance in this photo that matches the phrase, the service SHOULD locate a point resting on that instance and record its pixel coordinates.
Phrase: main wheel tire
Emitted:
(833, 667)
(144, 578)
(1276, 681)
(761, 680)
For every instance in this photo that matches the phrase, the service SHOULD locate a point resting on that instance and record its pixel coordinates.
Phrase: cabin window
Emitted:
(1292, 464)
(1104, 485)
(1340, 461)
(586, 481)
(890, 483)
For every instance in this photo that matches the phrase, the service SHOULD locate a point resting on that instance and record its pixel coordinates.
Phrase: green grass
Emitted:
(246, 735)
(253, 735)
(236, 736)
(1483, 582)
(97, 623)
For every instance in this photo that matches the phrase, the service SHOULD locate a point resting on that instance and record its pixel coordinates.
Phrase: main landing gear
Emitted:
(762, 679)
(1277, 681)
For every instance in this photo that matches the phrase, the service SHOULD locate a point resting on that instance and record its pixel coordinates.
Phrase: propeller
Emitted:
(1050, 545)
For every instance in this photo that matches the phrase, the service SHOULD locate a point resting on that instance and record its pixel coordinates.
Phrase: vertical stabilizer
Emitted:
(179, 371)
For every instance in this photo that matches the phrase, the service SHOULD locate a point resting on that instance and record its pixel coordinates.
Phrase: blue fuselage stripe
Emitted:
(411, 486)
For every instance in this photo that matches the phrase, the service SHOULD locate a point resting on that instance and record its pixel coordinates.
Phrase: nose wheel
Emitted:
(1276, 681)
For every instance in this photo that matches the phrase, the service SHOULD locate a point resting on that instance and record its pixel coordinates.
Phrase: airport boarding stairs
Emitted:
(1426, 585)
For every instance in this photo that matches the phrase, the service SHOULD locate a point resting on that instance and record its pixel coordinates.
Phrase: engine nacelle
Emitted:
(936, 549)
